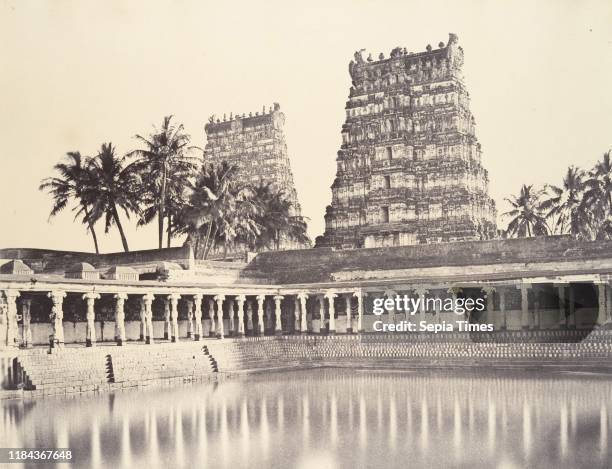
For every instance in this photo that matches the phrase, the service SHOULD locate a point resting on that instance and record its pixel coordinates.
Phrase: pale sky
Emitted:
(74, 74)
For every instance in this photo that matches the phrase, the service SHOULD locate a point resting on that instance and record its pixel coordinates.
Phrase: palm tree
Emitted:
(563, 204)
(211, 216)
(276, 218)
(115, 189)
(164, 158)
(597, 200)
(526, 216)
(72, 184)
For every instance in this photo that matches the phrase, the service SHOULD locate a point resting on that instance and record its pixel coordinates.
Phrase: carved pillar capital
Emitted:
(57, 296)
(91, 296)
(148, 298)
(11, 294)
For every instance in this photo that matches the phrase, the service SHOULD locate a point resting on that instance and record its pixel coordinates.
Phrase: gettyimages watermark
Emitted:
(462, 307)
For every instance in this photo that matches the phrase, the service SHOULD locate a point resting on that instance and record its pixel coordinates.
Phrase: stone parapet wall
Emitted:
(51, 261)
(109, 368)
(318, 265)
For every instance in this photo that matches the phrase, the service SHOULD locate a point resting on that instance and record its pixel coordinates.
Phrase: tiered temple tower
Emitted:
(409, 169)
(256, 145)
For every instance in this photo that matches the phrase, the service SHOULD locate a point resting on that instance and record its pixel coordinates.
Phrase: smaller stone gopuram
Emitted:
(256, 145)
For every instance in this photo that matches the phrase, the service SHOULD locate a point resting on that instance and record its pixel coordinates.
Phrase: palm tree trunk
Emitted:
(210, 243)
(208, 231)
(120, 228)
(169, 233)
(196, 249)
(161, 209)
(91, 229)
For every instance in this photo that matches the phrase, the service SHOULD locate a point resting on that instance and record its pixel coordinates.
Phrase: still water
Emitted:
(331, 419)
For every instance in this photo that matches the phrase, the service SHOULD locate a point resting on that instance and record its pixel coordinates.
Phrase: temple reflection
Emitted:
(511, 420)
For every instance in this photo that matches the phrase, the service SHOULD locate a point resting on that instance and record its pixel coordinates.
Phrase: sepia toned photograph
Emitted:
(317, 235)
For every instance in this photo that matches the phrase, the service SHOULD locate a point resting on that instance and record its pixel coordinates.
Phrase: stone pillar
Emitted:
(322, 327)
(524, 287)
(12, 325)
(438, 303)
(143, 320)
(304, 321)
(536, 317)
(90, 332)
(231, 317)
(249, 313)
(278, 327)
(57, 317)
(167, 322)
(220, 327)
(199, 332)
(120, 317)
(454, 291)
(240, 299)
(268, 318)
(332, 312)
(3, 323)
(148, 302)
(491, 317)
(561, 318)
(189, 305)
(211, 314)
(609, 304)
(349, 314)
(389, 294)
(571, 318)
(296, 315)
(174, 332)
(260, 313)
(421, 292)
(26, 314)
(502, 308)
(601, 297)
(359, 294)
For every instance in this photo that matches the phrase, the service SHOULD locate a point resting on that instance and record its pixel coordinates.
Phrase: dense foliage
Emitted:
(581, 206)
(166, 180)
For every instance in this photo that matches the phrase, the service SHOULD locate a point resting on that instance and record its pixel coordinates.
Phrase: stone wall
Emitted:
(51, 261)
(318, 265)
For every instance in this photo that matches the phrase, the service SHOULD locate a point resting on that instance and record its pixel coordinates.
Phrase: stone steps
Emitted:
(89, 368)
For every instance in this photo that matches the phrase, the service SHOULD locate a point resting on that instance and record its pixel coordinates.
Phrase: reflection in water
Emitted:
(331, 418)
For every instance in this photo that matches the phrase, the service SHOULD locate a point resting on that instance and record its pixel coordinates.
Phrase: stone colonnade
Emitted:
(259, 313)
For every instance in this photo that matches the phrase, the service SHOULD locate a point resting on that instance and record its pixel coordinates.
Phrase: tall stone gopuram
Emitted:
(256, 145)
(409, 169)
